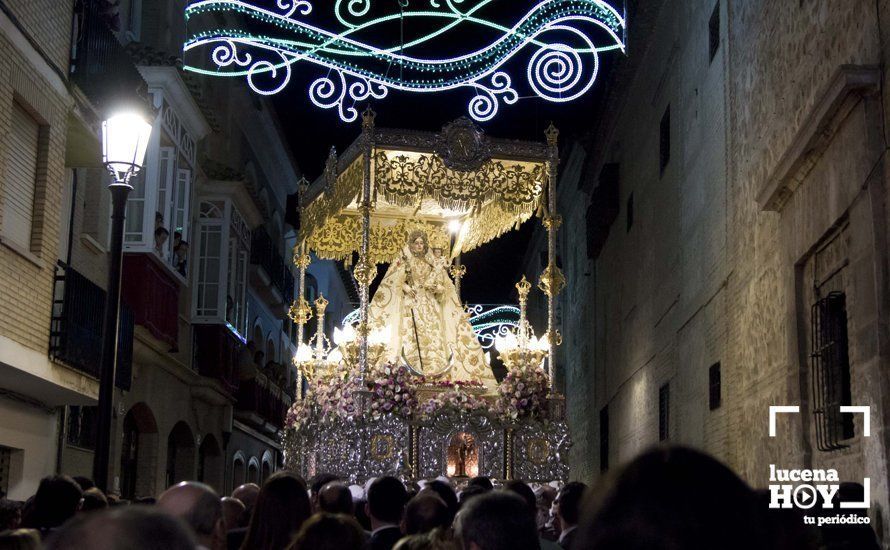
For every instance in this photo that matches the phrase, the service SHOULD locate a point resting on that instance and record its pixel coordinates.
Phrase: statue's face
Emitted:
(418, 246)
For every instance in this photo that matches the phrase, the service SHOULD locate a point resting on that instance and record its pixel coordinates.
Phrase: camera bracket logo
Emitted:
(805, 488)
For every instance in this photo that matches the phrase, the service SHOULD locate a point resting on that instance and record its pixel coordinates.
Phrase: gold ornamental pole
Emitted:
(364, 272)
(552, 280)
(300, 312)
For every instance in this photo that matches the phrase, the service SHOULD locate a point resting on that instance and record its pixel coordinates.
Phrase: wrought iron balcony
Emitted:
(262, 403)
(76, 331)
(264, 254)
(100, 66)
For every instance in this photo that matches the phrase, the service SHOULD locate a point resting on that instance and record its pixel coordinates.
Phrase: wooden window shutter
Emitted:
(21, 177)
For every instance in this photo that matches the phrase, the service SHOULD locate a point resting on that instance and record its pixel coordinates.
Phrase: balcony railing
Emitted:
(216, 354)
(265, 399)
(76, 331)
(153, 294)
(264, 253)
(100, 66)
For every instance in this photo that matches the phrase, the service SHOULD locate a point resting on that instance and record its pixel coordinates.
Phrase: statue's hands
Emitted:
(409, 292)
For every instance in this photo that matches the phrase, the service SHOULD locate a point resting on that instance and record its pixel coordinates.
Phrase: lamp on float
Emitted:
(522, 347)
(316, 357)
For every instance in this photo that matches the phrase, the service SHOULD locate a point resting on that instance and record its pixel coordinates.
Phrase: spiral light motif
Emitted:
(226, 53)
(556, 70)
(290, 7)
(272, 72)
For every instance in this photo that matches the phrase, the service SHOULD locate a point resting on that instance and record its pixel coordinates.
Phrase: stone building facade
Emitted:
(204, 367)
(736, 236)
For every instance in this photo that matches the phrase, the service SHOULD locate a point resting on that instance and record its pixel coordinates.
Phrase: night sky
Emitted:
(311, 131)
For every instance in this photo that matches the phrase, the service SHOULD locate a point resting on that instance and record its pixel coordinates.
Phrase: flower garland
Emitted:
(457, 400)
(523, 393)
(330, 397)
(392, 392)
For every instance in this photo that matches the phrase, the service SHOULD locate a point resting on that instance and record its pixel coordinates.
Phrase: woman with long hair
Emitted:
(281, 509)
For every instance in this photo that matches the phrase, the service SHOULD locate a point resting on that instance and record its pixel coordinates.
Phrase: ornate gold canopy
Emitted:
(424, 179)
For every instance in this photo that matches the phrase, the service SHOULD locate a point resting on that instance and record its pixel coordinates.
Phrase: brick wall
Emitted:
(48, 22)
(26, 280)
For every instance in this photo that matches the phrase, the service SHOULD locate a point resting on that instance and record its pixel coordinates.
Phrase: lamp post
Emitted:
(124, 140)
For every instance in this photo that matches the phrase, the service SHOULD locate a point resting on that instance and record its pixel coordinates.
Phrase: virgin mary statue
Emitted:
(429, 329)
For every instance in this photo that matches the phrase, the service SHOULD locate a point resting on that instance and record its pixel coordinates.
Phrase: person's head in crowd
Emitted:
(568, 508)
(123, 528)
(10, 514)
(497, 520)
(446, 493)
(20, 539)
(361, 514)
(482, 481)
(524, 492)
(672, 497)
(850, 536)
(469, 492)
(200, 508)
(93, 499)
(316, 483)
(247, 494)
(57, 499)
(84, 482)
(788, 531)
(326, 531)
(336, 498)
(281, 509)
(545, 495)
(386, 501)
(233, 510)
(425, 512)
(437, 539)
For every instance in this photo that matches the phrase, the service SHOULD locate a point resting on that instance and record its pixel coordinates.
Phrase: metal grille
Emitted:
(664, 410)
(714, 390)
(604, 439)
(5, 458)
(714, 32)
(81, 427)
(830, 372)
(664, 140)
(76, 327)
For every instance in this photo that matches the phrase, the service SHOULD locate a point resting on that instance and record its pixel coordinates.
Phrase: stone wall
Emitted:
(708, 273)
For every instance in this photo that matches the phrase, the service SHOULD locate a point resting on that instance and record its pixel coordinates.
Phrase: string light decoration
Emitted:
(561, 67)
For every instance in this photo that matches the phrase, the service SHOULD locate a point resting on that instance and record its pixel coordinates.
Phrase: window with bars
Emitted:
(664, 411)
(714, 390)
(5, 459)
(830, 374)
(81, 430)
(604, 439)
(714, 32)
(629, 212)
(664, 140)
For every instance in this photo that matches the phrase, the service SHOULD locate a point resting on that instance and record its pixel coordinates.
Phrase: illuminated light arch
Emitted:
(562, 67)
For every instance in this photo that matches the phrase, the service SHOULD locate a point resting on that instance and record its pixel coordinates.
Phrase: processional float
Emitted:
(404, 391)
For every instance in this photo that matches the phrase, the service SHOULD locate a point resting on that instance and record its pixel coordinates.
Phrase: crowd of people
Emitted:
(669, 498)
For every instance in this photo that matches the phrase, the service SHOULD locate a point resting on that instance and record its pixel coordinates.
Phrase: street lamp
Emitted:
(124, 140)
